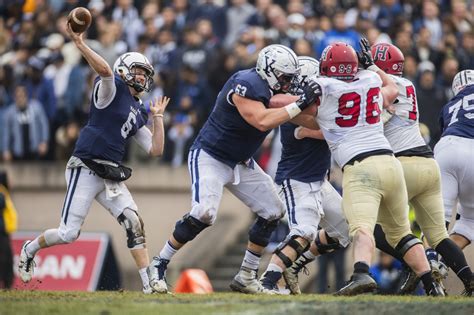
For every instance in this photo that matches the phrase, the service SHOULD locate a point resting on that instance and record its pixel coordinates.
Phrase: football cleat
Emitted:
(26, 265)
(358, 284)
(438, 269)
(291, 274)
(269, 281)
(439, 272)
(246, 282)
(409, 282)
(157, 274)
(147, 289)
(436, 290)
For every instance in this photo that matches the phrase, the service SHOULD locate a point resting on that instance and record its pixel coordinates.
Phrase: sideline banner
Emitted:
(72, 267)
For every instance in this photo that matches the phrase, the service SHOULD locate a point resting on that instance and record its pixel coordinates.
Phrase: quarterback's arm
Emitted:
(106, 89)
(257, 115)
(152, 142)
(93, 59)
(157, 109)
(143, 138)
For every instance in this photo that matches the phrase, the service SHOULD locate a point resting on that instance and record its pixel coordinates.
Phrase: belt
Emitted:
(363, 156)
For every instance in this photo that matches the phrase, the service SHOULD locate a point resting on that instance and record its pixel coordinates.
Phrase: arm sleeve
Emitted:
(104, 92)
(143, 138)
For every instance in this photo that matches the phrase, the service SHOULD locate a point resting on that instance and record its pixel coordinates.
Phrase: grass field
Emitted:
(105, 303)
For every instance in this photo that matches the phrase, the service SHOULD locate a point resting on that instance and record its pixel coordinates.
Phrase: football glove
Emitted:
(365, 56)
(311, 92)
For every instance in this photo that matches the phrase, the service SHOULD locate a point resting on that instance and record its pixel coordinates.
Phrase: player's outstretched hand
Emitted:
(365, 56)
(75, 37)
(311, 92)
(158, 106)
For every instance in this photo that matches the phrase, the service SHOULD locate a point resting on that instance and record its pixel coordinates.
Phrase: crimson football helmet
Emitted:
(388, 58)
(339, 61)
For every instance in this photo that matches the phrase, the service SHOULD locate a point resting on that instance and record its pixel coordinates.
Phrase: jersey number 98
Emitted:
(349, 105)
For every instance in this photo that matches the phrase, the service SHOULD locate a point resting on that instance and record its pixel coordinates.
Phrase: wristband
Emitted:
(374, 68)
(158, 115)
(293, 110)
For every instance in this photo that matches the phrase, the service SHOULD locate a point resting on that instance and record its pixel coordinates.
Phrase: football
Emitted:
(80, 19)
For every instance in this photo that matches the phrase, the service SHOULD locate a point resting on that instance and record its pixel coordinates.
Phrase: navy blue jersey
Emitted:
(106, 133)
(226, 136)
(457, 117)
(306, 160)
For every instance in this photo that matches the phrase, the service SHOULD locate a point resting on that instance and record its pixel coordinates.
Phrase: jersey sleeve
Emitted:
(144, 138)
(104, 91)
(256, 91)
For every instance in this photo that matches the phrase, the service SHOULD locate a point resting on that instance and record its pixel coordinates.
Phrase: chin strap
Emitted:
(138, 87)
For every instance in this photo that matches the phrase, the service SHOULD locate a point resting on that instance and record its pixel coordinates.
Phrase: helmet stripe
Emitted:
(292, 54)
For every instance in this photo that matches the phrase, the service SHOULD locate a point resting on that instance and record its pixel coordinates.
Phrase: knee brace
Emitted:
(261, 230)
(188, 228)
(55, 237)
(406, 243)
(293, 243)
(69, 236)
(332, 244)
(134, 227)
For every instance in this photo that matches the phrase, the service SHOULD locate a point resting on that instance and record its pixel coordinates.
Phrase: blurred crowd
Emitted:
(194, 46)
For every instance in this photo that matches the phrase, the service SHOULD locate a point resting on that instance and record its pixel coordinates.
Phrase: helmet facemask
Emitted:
(131, 77)
(285, 81)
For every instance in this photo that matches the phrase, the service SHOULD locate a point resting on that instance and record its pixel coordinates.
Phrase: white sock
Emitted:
(251, 260)
(168, 251)
(33, 247)
(309, 255)
(274, 267)
(144, 277)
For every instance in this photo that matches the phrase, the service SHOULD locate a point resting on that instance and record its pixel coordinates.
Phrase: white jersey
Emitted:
(402, 129)
(349, 115)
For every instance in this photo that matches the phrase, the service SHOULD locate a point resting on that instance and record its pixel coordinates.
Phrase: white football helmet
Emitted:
(461, 80)
(308, 67)
(278, 65)
(125, 66)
